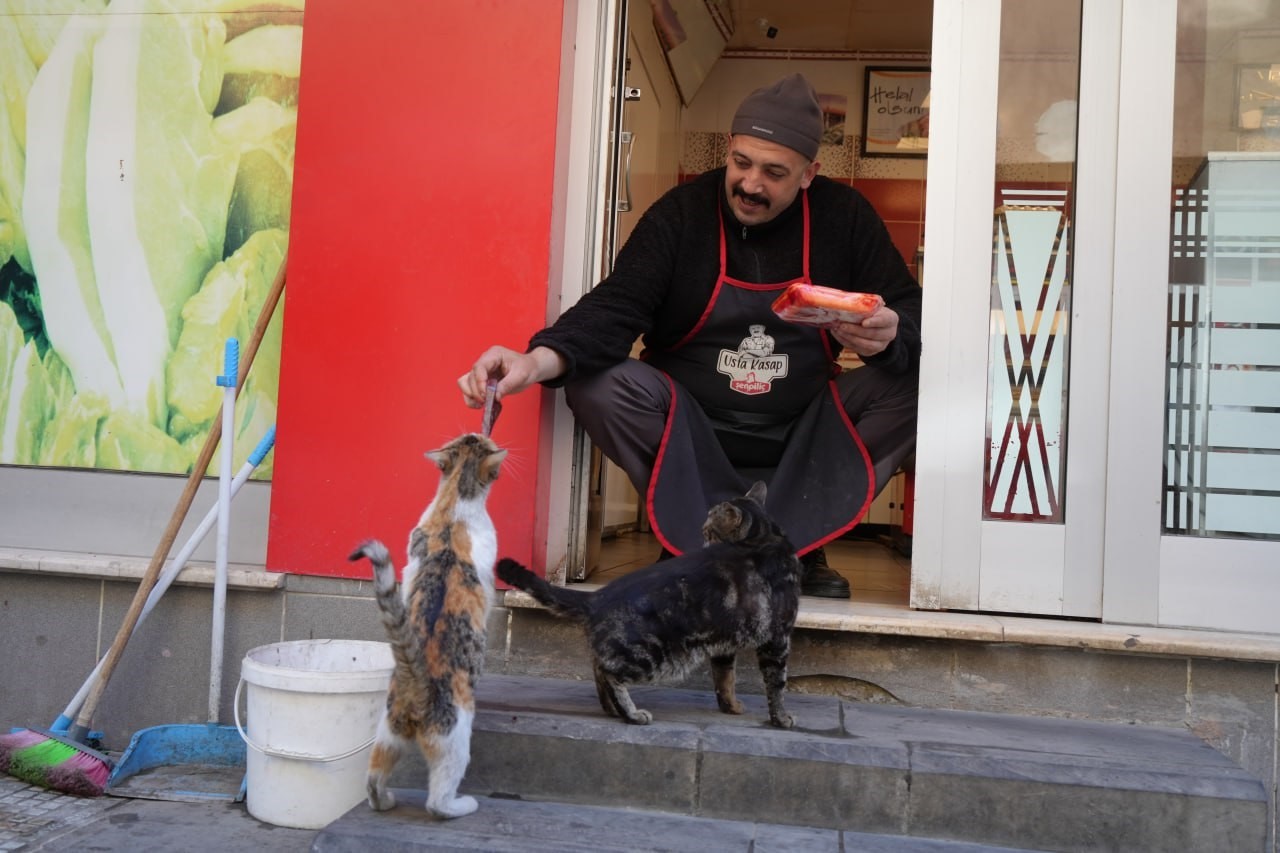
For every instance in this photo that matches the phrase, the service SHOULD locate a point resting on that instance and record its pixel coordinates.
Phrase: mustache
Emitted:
(754, 198)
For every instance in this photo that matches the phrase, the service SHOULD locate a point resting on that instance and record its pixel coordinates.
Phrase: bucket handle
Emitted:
(284, 753)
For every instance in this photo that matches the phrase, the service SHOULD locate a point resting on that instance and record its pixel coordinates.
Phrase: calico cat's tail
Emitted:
(569, 603)
(407, 651)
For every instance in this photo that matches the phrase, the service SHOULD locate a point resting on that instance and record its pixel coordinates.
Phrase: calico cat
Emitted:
(436, 624)
(741, 590)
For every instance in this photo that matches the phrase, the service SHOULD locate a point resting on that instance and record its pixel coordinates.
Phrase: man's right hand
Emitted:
(515, 371)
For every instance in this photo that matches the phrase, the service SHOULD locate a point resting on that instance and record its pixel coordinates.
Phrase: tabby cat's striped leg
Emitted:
(605, 694)
(621, 700)
(773, 669)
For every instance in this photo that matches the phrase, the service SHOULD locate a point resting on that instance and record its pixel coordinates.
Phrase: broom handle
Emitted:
(80, 729)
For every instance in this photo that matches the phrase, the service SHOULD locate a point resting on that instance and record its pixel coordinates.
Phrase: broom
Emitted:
(64, 763)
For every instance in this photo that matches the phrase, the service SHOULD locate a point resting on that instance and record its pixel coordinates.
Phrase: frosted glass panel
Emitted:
(1222, 423)
(1027, 360)
(1031, 261)
(1222, 436)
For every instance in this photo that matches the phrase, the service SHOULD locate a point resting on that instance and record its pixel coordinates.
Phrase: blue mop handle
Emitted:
(231, 360)
(63, 722)
(264, 447)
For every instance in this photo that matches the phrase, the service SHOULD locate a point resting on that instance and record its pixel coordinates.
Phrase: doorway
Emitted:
(668, 125)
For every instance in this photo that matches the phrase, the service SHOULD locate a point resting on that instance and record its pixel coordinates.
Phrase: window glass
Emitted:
(1222, 423)
(1031, 261)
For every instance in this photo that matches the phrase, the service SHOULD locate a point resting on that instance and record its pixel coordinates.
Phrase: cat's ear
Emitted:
(439, 457)
(757, 492)
(492, 462)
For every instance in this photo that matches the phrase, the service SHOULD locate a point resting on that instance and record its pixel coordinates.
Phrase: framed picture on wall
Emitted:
(895, 112)
(1257, 97)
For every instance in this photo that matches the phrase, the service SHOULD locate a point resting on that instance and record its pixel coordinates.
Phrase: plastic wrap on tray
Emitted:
(813, 305)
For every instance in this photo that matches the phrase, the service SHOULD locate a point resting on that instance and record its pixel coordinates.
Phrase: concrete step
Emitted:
(515, 826)
(996, 779)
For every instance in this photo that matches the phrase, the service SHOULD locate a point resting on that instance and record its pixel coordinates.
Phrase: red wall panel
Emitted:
(420, 234)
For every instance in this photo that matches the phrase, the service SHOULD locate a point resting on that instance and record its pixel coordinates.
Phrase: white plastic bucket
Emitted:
(313, 708)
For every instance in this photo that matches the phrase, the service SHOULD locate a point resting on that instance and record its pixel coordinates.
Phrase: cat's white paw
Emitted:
(640, 718)
(783, 720)
(457, 807)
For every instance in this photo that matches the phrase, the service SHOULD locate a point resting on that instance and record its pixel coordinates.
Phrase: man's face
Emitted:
(763, 178)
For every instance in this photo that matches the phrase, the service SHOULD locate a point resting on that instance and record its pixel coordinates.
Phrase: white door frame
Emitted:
(946, 546)
(582, 159)
(959, 560)
(1145, 148)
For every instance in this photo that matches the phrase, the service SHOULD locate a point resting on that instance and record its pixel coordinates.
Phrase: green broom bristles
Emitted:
(51, 761)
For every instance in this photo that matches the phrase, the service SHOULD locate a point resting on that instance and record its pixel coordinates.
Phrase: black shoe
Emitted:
(819, 579)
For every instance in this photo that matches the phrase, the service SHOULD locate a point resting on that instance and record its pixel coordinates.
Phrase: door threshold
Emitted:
(826, 614)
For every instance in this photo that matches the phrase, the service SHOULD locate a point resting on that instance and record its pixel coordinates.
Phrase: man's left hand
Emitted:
(870, 336)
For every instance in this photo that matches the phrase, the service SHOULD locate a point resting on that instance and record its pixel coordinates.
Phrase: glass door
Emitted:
(1012, 433)
(1100, 403)
(1196, 517)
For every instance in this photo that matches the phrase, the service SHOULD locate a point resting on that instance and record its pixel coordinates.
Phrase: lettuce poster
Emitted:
(146, 167)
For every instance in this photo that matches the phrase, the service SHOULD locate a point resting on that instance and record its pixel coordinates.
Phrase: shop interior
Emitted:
(679, 97)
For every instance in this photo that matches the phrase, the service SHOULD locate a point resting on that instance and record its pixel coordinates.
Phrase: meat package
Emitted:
(814, 305)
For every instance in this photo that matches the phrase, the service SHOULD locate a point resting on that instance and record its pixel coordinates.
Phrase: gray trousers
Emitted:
(624, 410)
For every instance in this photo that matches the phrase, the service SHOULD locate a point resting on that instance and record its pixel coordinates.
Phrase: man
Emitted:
(703, 413)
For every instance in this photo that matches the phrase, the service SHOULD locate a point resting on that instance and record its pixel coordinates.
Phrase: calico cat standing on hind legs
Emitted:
(740, 591)
(436, 624)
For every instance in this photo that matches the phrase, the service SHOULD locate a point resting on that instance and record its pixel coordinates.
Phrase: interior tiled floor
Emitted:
(877, 573)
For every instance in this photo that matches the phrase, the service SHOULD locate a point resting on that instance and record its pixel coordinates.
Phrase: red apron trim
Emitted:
(723, 278)
(702, 321)
(747, 285)
(871, 476)
(657, 466)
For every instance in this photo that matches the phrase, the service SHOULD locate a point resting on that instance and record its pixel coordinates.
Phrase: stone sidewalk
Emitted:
(33, 818)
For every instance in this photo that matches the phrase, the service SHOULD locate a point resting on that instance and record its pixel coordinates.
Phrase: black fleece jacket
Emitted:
(666, 272)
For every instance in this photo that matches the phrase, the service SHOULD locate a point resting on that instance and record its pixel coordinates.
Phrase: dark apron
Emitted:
(754, 397)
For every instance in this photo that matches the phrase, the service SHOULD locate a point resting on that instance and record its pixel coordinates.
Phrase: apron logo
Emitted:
(753, 368)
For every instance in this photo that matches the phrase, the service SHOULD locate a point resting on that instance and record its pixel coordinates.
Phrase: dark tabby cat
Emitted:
(436, 625)
(742, 590)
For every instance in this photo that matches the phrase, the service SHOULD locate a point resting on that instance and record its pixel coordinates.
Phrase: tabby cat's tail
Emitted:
(405, 647)
(569, 603)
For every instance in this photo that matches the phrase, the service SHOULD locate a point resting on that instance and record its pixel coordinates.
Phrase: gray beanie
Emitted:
(786, 112)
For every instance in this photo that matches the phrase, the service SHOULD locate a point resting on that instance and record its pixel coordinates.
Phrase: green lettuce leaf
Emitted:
(24, 413)
(263, 132)
(11, 341)
(61, 386)
(209, 318)
(57, 221)
(158, 224)
(40, 21)
(70, 440)
(17, 73)
(128, 443)
(227, 305)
